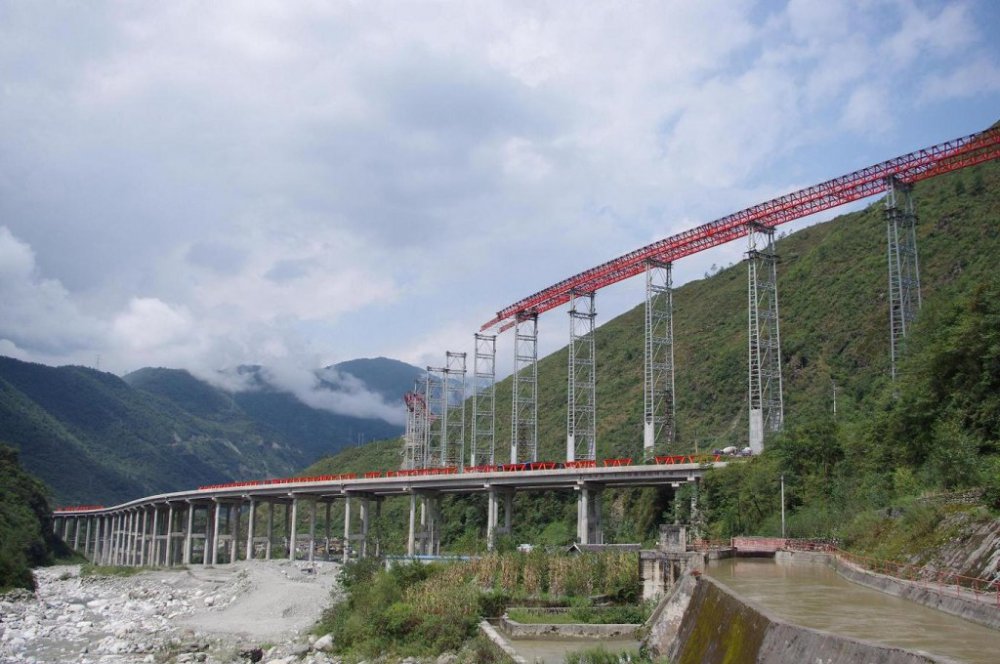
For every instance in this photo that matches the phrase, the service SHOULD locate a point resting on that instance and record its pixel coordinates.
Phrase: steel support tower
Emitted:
(416, 424)
(581, 429)
(484, 401)
(659, 424)
(437, 411)
(904, 268)
(453, 443)
(524, 404)
(766, 402)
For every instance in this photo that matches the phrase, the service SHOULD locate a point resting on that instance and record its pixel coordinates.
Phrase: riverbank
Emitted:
(209, 615)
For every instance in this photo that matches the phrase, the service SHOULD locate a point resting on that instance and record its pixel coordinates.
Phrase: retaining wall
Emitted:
(719, 627)
(517, 630)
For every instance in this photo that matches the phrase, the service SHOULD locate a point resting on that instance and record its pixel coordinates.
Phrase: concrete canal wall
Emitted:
(716, 625)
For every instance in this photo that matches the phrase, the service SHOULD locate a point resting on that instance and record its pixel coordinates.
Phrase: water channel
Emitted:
(816, 596)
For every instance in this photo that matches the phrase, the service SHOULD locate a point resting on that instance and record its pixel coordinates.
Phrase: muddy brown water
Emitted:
(816, 596)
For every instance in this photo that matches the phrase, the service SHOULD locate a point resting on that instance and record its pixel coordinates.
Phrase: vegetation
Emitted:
(633, 614)
(419, 610)
(26, 538)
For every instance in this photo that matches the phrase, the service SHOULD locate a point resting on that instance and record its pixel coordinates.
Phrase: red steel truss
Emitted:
(920, 165)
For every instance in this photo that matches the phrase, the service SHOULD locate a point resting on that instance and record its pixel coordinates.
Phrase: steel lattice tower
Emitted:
(435, 431)
(416, 425)
(524, 404)
(453, 442)
(904, 269)
(484, 400)
(766, 402)
(581, 430)
(659, 432)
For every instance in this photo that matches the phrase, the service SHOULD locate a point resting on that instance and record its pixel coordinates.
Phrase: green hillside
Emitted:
(96, 438)
(834, 316)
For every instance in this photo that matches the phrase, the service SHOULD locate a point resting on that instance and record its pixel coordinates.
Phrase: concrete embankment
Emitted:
(518, 630)
(981, 611)
(716, 625)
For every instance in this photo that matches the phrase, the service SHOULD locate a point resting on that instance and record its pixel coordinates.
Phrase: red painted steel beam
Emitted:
(913, 167)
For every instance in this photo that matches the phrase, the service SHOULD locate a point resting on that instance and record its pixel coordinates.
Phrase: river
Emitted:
(816, 596)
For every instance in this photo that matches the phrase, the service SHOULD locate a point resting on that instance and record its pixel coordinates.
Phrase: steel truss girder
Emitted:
(659, 409)
(765, 387)
(904, 267)
(484, 401)
(414, 438)
(919, 165)
(581, 422)
(524, 404)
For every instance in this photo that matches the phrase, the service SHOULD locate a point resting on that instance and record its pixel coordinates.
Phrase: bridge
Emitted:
(161, 529)
(221, 521)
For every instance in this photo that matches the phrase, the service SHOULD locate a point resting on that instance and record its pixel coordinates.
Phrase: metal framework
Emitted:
(416, 426)
(435, 432)
(484, 401)
(765, 394)
(904, 268)
(524, 404)
(920, 165)
(581, 429)
(453, 443)
(658, 429)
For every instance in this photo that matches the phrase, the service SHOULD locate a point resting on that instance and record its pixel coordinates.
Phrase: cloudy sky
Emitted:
(199, 185)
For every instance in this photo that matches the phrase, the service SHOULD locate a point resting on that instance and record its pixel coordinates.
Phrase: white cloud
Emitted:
(204, 186)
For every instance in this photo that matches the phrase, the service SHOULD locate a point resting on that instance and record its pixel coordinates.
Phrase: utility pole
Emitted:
(782, 505)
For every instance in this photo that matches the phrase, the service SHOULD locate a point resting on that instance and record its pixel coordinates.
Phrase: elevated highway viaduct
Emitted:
(221, 523)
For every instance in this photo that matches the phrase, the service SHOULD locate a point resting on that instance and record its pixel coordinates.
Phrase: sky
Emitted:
(293, 184)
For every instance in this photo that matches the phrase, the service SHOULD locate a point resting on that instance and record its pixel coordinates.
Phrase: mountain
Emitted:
(382, 375)
(93, 437)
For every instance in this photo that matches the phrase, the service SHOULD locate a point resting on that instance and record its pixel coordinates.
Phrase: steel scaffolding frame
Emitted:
(435, 431)
(484, 401)
(765, 394)
(581, 430)
(453, 443)
(659, 412)
(416, 425)
(904, 268)
(524, 404)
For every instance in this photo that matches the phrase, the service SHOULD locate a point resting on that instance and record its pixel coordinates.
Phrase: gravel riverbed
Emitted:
(213, 615)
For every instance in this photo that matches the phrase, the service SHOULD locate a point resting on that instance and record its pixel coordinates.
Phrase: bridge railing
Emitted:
(941, 580)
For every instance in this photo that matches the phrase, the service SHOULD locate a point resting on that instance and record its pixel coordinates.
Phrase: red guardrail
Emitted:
(79, 508)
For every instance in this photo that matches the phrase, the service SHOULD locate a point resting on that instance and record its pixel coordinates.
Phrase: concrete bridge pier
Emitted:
(494, 494)
(360, 538)
(588, 514)
(426, 540)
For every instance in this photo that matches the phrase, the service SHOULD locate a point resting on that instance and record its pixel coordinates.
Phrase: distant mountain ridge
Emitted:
(95, 437)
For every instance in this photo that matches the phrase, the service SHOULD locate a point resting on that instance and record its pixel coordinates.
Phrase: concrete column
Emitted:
(250, 519)
(234, 532)
(411, 542)
(86, 540)
(65, 525)
(582, 515)
(492, 514)
(215, 533)
(154, 558)
(120, 539)
(76, 534)
(143, 537)
(292, 528)
(312, 530)
(347, 527)
(326, 524)
(270, 530)
(378, 521)
(288, 526)
(364, 527)
(695, 517)
(127, 538)
(188, 539)
(170, 536)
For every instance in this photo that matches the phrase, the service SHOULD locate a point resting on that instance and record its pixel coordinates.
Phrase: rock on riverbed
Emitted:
(194, 615)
